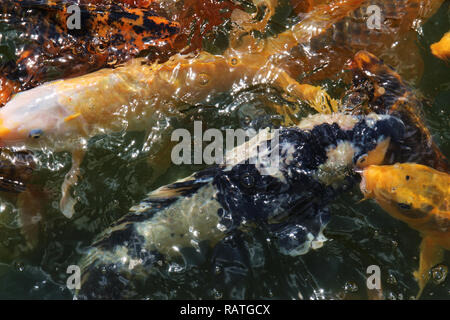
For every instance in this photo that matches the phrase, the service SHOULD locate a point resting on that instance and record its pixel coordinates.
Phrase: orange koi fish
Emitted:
(419, 196)
(441, 49)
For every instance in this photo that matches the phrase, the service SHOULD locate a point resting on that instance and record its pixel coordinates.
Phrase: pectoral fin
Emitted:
(30, 204)
(430, 255)
(67, 202)
(299, 235)
(315, 96)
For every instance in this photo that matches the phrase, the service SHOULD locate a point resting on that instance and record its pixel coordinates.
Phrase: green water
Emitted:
(119, 169)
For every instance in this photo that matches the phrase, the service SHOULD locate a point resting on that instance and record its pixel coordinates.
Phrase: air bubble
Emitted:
(391, 296)
(392, 280)
(247, 180)
(351, 287)
(217, 294)
(218, 270)
(439, 274)
(203, 79)
(91, 60)
(19, 266)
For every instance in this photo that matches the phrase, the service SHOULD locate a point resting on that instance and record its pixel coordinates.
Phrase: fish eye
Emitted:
(36, 133)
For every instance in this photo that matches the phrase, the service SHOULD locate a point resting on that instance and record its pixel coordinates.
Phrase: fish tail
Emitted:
(323, 17)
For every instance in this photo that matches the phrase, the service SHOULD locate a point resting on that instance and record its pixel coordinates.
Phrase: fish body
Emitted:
(105, 35)
(55, 109)
(419, 196)
(386, 28)
(112, 99)
(63, 115)
(289, 200)
(380, 89)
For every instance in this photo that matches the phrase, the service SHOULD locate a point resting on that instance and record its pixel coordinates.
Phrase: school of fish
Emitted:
(376, 135)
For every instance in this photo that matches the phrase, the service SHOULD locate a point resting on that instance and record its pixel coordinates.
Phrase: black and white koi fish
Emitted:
(197, 213)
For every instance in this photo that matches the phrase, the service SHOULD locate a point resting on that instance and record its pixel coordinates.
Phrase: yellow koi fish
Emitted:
(441, 49)
(419, 196)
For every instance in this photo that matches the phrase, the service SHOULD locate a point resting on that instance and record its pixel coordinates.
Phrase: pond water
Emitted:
(120, 168)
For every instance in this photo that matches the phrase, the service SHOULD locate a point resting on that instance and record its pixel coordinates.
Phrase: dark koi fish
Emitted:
(184, 219)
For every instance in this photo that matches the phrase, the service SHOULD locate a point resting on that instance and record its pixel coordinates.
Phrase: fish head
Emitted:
(35, 119)
(371, 177)
(409, 192)
(373, 138)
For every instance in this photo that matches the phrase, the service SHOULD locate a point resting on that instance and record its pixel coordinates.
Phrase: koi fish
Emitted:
(387, 29)
(287, 197)
(441, 49)
(16, 172)
(107, 35)
(64, 114)
(378, 88)
(419, 196)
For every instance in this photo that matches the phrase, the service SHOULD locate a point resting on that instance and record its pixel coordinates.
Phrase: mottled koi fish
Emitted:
(419, 196)
(108, 34)
(287, 198)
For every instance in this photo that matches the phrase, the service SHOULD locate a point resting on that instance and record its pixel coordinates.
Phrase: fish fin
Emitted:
(430, 255)
(67, 202)
(30, 205)
(322, 17)
(363, 200)
(184, 187)
(315, 96)
(231, 265)
(72, 117)
(441, 49)
(166, 195)
(304, 232)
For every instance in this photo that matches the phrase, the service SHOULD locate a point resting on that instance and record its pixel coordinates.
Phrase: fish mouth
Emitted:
(363, 184)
